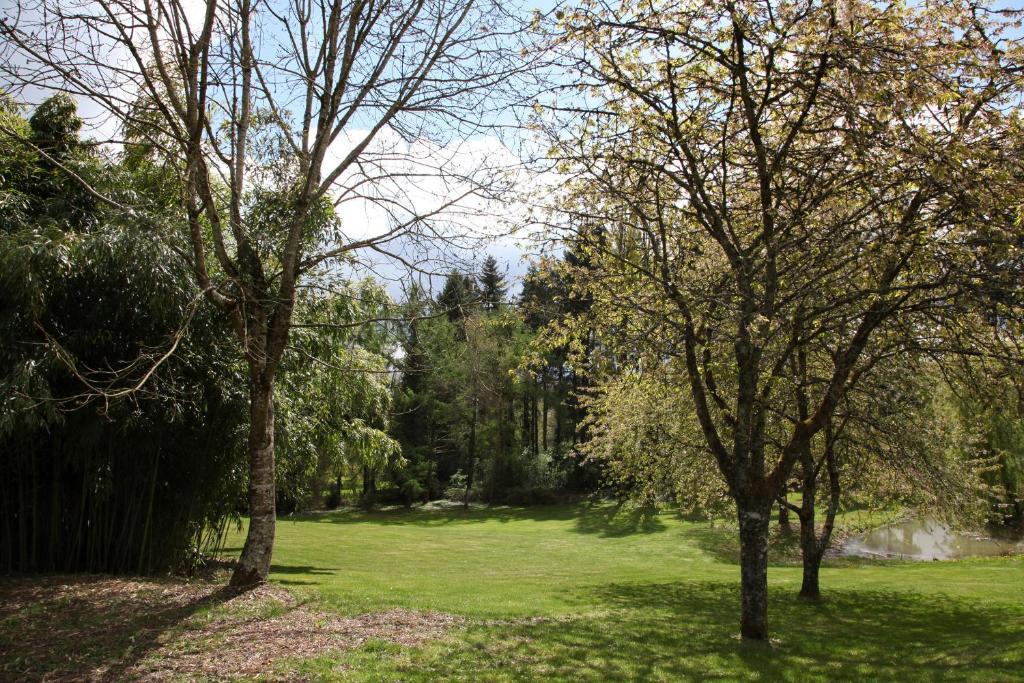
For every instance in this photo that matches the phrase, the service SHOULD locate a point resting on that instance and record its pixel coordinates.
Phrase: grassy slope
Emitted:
(623, 595)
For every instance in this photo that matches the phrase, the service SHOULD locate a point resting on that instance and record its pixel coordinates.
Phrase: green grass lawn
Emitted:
(602, 593)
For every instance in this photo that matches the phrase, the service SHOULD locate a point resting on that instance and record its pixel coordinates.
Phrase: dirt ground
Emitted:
(101, 628)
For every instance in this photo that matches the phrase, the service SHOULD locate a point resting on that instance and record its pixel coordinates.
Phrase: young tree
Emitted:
(458, 296)
(644, 432)
(867, 452)
(754, 177)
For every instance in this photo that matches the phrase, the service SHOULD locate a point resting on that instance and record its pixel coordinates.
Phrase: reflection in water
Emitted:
(927, 540)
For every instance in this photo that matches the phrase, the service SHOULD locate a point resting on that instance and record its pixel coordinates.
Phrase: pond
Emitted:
(927, 539)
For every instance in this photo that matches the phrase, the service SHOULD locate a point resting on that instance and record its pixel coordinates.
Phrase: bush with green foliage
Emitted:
(118, 454)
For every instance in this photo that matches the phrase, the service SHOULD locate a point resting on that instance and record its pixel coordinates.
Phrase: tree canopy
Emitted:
(756, 183)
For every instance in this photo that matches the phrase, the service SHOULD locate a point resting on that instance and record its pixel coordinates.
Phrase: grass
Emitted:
(605, 593)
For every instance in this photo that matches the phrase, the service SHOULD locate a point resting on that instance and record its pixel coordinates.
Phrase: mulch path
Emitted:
(100, 628)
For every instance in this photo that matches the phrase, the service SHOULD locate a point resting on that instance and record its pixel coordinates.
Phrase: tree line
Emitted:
(477, 407)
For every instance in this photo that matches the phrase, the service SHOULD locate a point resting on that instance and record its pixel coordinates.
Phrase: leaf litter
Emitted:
(101, 628)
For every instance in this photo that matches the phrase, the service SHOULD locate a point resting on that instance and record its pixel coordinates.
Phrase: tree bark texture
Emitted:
(254, 563)
(809, 588)
(784, 524)
(754, 523)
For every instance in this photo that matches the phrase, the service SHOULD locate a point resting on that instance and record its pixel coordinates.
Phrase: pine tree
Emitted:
(456, 295)
(492, 285)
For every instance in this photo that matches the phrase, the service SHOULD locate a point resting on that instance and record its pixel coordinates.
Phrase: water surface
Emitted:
(927, 539)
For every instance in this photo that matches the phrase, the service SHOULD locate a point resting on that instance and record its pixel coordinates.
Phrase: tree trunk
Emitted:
(334, 499)
(754, 522)
(784, 524)
(534, 420)
(809, 587)
(511, 420)
(526, 416)
(501, 431)
(254, 563)
(472, 454)
(813, 546)
(430, 481)
(558, 426)
(544, 411)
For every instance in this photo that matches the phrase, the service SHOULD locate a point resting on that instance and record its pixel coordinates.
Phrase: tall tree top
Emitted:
(458, 295)
(492, 284)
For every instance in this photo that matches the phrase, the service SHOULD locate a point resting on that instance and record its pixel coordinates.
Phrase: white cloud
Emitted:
(474, 191)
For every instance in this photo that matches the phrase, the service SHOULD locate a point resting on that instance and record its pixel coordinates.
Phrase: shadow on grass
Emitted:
(722, 543)
(602, 519)
(854, 634)
(617, 520)
(91, 627)
(299, 569)
(277, 570)
(688, 631)
(433, 517)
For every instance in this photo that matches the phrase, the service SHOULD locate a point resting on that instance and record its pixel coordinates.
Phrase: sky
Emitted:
(361, 217)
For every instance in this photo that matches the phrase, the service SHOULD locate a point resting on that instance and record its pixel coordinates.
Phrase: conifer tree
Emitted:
(492, 285)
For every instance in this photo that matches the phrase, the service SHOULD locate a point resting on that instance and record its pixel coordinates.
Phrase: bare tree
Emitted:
(272, 115)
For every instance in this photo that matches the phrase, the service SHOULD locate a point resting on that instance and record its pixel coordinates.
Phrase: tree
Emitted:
(309, 102)
(985, 399)
(334, 394)
(462, 384)
(458, 295)
(645, 434)
(492, 285)
(751, 178)
(867, 453)
(565, 375)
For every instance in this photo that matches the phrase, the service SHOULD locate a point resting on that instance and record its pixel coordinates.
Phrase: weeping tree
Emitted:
(319, 103)
(747, 179)
(644, 434)
(335, 394)
(985, 399)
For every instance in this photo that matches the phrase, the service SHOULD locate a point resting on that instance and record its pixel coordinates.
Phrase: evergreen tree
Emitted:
(457, 296)
(492, 285)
